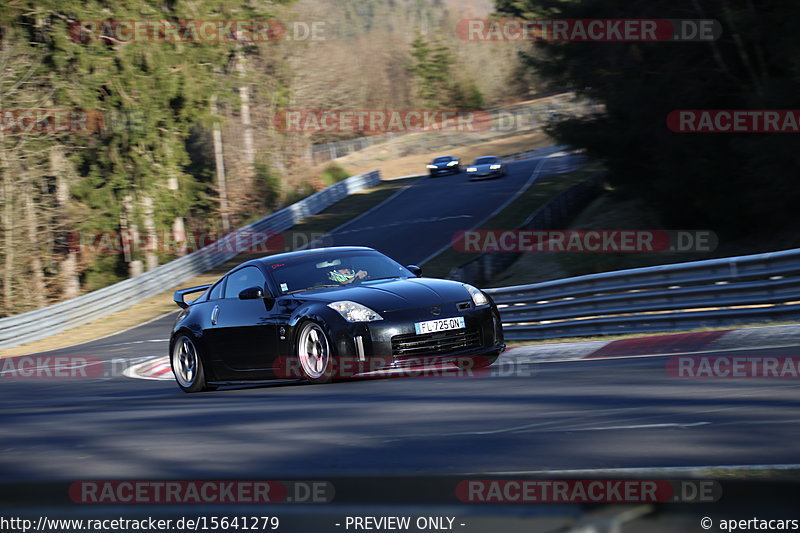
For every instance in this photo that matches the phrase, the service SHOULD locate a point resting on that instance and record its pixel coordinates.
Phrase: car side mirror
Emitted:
(251, 293)
(417, 271)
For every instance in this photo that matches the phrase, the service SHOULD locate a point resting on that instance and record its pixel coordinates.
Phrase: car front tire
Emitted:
(314, 353)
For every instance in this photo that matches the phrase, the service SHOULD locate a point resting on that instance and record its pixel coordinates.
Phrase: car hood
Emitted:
(399, 294)
(484, 167)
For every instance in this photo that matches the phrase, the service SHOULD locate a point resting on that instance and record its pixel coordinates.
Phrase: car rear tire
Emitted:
(314, 353)
(187, 366)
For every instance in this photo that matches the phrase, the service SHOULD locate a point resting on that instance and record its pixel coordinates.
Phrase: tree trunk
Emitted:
(247, 125)
(68, 269)
(178, 226)
(8, 235)
(37, 272)
(7, 217)
(151, 237)
(129, 237)
(220, 165)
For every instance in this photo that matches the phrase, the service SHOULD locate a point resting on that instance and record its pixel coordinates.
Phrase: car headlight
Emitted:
(432, 166)
(355, 312)
(478, 298)
(472, 169)
(495, 167)
(451, 163)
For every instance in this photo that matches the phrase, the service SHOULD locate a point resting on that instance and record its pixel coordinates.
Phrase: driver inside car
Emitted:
(346, 275)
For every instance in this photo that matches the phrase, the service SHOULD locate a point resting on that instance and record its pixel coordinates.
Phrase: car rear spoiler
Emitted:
(179, 295)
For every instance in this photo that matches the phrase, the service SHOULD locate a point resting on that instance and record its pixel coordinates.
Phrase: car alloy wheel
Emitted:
(188, 366)
(314, 353)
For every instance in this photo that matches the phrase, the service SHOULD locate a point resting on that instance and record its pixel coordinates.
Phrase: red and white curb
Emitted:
(155, 369)
(661, 345)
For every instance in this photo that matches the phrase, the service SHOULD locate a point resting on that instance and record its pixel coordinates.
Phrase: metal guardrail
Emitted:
(710, 293)
(536, 152)
(47, 321)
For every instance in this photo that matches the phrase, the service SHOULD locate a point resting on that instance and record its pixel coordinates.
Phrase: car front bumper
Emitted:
(393, 342)
(485, 174)
(443, 170)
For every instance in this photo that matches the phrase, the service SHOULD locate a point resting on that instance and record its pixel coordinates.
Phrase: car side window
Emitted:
(216, 291)
(243, 279)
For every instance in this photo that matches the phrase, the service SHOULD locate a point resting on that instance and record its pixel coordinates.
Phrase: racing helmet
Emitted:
(341, 277)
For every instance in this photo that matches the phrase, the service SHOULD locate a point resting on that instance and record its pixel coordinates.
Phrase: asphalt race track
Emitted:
(547, 416)
(420, 220)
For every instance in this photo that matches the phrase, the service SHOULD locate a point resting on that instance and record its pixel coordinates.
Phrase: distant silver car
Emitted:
(445, 164)
(486, 167)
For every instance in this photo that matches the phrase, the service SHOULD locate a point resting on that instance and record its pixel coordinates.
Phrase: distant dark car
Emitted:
(325, 314)
(446, 164)
(486, 167)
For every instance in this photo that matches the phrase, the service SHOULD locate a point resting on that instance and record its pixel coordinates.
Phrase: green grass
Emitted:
(334, 173)
(513, 215)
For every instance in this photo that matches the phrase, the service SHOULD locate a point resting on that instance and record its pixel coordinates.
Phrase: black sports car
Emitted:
(328, 313)
(445, 164)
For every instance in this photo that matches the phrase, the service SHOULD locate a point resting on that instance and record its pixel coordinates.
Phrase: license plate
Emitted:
(441, 324)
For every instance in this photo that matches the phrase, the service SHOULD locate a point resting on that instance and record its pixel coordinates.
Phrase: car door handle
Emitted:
(214, 315)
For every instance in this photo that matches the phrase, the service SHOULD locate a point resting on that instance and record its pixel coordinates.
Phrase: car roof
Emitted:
(272, 259)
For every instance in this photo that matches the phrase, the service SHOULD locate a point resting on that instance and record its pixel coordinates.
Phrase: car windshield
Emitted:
(445, 159)
(334, 270)
(486, 160)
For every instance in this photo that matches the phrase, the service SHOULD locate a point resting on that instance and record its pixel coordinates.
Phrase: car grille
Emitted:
(442, 342)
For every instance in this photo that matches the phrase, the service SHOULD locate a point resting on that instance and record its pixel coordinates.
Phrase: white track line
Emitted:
(639, 470)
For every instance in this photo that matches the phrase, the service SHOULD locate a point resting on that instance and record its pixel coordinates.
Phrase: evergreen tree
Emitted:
(734, 183)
